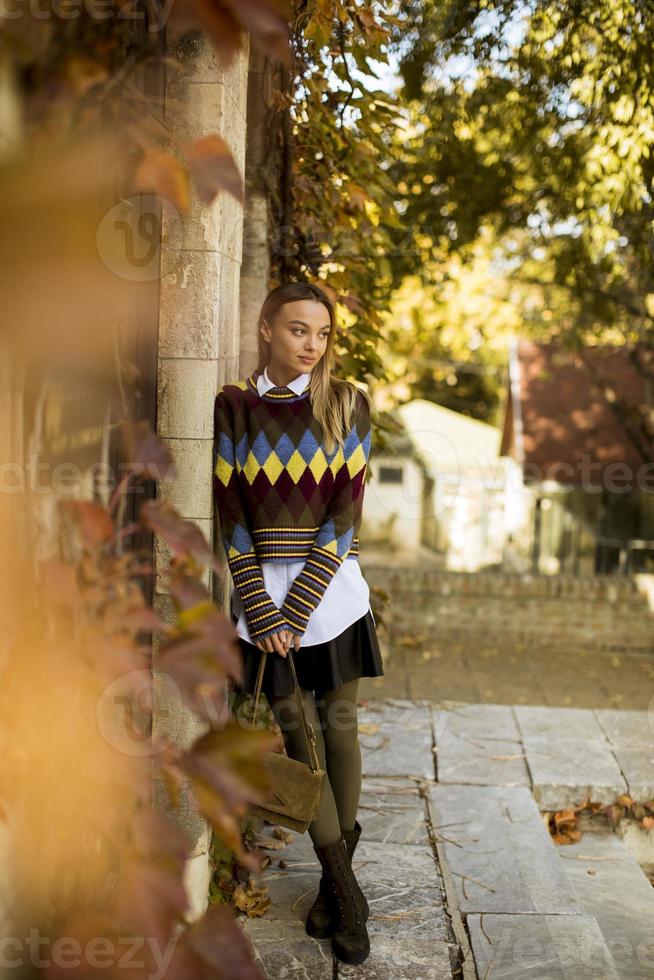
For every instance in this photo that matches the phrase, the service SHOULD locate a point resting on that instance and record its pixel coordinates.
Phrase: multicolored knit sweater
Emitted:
(280, 497)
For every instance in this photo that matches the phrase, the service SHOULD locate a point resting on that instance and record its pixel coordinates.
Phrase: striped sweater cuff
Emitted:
(309, 587)
(262, 615)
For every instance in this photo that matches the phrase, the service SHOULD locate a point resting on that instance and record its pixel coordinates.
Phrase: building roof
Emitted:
(571, 415)
(446, 440)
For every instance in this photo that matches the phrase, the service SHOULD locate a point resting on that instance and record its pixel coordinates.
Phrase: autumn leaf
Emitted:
(147, 452)
(213, 168)
(625, 800)
(94, 522)
(254, 901)
(183, 536)
(162, 173)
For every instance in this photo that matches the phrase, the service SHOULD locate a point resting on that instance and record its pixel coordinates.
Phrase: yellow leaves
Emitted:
(623, 109)
(319, 27)
(252, 899)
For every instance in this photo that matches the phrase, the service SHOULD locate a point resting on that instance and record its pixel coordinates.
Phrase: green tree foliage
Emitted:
(342, 197)
(536, 119)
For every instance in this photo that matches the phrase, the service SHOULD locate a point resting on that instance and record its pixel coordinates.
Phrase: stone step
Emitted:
(562, 754)
(613, 889)
(569, 757)
(524, 917)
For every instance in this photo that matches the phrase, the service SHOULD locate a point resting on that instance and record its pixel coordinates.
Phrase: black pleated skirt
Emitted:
(319, 667)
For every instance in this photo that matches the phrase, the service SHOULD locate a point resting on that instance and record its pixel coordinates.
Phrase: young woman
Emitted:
(291, 450)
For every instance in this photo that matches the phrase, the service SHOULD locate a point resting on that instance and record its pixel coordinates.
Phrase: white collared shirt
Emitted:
(346, 598)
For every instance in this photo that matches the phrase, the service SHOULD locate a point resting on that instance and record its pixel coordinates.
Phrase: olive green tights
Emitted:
(333, 715)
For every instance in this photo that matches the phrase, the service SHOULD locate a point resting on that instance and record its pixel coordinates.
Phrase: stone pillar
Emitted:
(198, 351)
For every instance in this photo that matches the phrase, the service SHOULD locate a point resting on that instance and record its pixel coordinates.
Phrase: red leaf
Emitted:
(164, 174)
(213, 168)
(184, 536)
(147, 453)
(94, 522)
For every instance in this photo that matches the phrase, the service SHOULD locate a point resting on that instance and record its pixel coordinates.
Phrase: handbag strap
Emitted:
(307, 727)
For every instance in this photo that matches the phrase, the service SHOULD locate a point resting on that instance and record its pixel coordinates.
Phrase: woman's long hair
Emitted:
(333, 400)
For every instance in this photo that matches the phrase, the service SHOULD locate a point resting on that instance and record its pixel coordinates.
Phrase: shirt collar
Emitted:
(298, 385)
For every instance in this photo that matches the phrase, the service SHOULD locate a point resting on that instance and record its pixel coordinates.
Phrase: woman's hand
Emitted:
(275, 643)
(279, 642)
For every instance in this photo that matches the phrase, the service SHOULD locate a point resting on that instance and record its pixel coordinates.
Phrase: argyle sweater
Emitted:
(280, 497)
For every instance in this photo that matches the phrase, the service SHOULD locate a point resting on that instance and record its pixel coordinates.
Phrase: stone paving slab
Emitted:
(631, 735)
(401, 882)
(392, 811)
(576, 723)
(612, 887)
(396, 739)
(565, 770)
(542, 947)
(499, 852)
(637, 766)
(488, 721)
(397, 711)
(289, 952)
(494, 762)
(401, 959)
(627, 727)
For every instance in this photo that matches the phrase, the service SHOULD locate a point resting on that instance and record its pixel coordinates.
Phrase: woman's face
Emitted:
(298, 336)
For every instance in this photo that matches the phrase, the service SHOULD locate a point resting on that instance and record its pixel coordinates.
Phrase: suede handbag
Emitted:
(297, 787)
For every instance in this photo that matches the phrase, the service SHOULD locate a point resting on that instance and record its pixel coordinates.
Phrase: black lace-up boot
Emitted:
(345, 903)
(319, 922)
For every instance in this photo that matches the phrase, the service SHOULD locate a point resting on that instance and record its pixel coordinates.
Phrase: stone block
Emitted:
(191, 492)
(402, 958)
(396, 739)
(288, 952)
(577, 723)
(460, 759)
(565, 771)
(392, 811)
(629, 728)
(186, 389)
(498, 850)
(613, 889)
(637, 766)
(556, 947)
(487, 721)
(192, 306)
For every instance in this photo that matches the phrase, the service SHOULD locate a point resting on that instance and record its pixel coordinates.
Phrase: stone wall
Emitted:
(606, 612)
